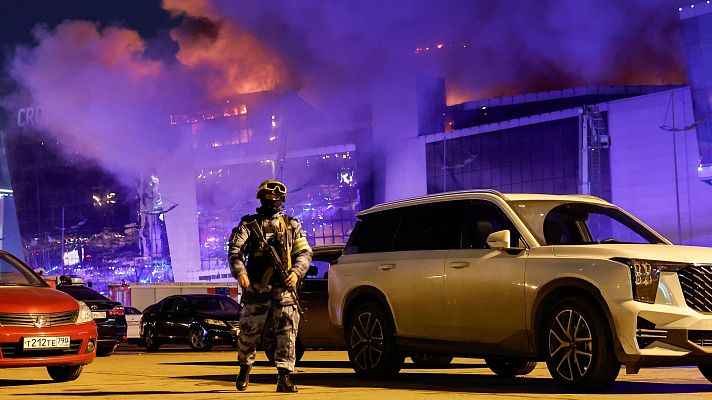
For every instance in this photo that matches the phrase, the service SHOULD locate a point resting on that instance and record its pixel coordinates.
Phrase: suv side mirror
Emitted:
(499, 240)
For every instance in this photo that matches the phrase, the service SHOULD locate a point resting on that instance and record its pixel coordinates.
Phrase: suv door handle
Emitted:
(385, 267)
(459, 264)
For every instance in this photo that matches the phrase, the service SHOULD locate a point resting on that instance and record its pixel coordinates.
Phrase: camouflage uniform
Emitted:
(268, 297)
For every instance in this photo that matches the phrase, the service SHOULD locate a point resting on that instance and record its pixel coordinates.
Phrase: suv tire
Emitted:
(270, 347)
(423, 360)
(371, 344)
(578, 346)
(510, 367)
(706, 370)
(106, 349)
(150, 339)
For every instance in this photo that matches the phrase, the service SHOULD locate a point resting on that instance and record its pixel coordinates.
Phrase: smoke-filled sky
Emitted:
(108, 73)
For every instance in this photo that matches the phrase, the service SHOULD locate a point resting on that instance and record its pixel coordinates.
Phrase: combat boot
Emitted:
(243, 378)
(284, 384)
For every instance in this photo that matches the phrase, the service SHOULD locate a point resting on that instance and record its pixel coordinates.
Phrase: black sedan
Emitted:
(109, 316)
(201, 320)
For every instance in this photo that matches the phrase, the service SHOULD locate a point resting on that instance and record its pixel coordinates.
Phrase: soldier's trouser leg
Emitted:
(252, 321)
(286, 323)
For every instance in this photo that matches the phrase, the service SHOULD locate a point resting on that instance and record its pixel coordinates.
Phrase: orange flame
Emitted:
(232, 60)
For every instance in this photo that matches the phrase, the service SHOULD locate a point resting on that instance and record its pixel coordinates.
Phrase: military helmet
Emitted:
(272, 190)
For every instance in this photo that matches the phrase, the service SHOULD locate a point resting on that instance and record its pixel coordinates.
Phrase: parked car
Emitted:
(133, 324)
(571, 280)
(315, 330)
(109, 315)
(40, 326)
(201, 320)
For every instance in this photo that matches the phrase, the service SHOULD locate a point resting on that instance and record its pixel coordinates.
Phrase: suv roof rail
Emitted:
(392, 204)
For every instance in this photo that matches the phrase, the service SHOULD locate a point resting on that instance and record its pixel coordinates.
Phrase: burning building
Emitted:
(243, 140)
(73, 216)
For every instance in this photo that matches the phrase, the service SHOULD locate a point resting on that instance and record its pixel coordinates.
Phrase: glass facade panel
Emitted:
(322, 193)
(539, 158)
(697, 33)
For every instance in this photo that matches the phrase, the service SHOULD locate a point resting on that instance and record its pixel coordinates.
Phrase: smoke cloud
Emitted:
(99, 92)
(105, 94)
(228, 58)
(485, 48)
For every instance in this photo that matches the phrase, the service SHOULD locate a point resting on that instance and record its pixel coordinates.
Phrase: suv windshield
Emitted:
(13, 273)
(571, 223)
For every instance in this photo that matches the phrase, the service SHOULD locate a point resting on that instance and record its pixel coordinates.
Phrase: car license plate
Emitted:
(47, 342)
(98, 314)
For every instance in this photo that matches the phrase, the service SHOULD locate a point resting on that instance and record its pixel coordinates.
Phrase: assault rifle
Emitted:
(254, 227)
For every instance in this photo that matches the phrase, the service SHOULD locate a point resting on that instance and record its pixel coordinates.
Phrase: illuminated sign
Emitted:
(29, 116)
(71, 257)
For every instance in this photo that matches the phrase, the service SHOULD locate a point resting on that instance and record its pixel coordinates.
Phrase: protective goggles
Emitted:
(276, 188)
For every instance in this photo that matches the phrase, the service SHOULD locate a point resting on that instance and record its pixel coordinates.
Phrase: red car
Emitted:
(41, 326)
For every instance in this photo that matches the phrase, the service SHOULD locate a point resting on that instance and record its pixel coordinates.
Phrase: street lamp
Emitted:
(63, 228)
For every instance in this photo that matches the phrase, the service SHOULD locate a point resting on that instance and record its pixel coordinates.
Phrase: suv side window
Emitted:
(483, 218)
(435, 226)
(374, 232)
(181, 305)
(167, 305)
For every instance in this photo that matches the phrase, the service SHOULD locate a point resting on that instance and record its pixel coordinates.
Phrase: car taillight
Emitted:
(118, 310)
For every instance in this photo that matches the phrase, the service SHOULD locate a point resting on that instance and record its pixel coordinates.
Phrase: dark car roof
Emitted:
(81, 292)
(191, 298)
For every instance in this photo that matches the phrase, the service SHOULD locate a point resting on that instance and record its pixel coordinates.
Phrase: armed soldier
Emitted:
(268, 255)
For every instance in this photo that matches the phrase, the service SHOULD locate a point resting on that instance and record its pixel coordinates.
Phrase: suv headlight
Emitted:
(216, 322)
(84, 313)
(645, 276)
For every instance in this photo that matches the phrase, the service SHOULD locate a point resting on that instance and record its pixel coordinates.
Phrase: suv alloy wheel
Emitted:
(579, 351)
(371, 345)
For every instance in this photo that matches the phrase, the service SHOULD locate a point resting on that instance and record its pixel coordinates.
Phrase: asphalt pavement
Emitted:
(176, 372)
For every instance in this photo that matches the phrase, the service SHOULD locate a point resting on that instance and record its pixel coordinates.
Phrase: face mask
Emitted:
(271, 204)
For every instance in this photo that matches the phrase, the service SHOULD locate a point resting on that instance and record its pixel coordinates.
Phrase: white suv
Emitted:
(518, 278)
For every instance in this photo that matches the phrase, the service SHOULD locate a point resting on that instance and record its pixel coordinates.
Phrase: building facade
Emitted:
(634, 146)
(241, 142)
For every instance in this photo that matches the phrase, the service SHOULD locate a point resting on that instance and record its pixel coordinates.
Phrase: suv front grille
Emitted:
(696, 282)
(51, 319)
(700, 338)
(14, 350)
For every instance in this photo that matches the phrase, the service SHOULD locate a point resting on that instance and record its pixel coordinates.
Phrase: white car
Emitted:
(133, 324)
(518, 278)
